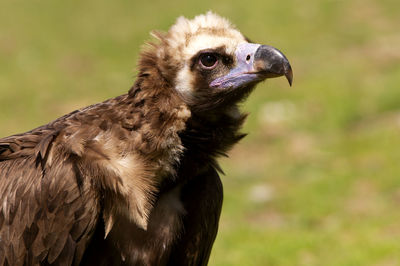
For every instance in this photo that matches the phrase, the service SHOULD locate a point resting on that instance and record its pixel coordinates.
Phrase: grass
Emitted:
(316, 181)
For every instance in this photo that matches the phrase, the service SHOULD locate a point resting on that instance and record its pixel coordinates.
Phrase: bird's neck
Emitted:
(207, 137)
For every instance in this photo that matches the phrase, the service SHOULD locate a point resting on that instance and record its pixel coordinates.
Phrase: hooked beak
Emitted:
(255, 63)
(270, 62)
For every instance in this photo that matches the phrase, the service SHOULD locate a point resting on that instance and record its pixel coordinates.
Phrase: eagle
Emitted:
(134, 180)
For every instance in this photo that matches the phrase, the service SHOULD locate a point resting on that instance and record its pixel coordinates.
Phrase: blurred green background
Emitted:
(316, 182)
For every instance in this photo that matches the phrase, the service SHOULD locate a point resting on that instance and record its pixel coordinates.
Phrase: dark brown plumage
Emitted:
(133, 180)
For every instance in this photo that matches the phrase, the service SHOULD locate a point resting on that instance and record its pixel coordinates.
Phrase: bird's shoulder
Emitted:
(126, 145)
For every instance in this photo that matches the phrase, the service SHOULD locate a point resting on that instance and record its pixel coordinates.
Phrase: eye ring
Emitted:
(208, 60)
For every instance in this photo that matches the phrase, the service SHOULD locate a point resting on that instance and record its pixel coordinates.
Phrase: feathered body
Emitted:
(132, 180)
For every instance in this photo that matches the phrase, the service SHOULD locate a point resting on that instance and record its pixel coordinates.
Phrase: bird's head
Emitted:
(212, 65)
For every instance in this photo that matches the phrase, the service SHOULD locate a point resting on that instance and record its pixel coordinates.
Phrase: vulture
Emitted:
(134, 180)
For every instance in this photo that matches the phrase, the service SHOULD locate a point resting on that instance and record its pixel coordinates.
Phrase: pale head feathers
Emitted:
(202, 32)
(187, 37)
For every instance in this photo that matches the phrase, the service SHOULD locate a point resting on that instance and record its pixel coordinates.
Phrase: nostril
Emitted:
(248, 57)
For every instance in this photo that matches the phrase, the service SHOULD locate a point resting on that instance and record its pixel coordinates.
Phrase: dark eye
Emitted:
(208, 60)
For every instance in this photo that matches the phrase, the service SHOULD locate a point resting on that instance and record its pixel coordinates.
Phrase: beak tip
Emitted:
(289, 76)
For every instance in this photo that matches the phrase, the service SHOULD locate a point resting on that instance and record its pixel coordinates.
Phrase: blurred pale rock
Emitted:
(261, 193)
(274, 117)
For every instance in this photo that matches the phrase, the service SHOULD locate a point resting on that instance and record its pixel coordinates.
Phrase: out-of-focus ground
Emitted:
(316, 182)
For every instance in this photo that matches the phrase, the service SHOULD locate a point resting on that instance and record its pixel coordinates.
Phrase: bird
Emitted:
(135, 180)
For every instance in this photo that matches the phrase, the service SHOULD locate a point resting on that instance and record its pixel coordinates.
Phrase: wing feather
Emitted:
(45, 216)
